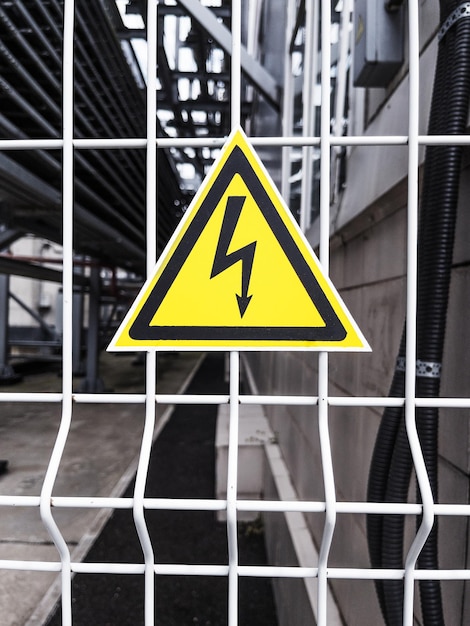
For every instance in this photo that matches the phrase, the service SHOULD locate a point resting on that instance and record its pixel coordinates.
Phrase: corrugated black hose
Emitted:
(391, 464)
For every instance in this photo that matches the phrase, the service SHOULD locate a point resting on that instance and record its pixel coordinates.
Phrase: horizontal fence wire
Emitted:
(202, 504)
(216, 142)
(217, 399)
(246, 571)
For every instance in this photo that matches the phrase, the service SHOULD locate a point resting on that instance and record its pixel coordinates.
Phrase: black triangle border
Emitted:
(141, 330)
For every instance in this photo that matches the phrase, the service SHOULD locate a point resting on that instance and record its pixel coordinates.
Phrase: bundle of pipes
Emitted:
(108, 104)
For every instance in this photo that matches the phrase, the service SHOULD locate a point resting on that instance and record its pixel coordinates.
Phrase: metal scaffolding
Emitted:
(110, 131)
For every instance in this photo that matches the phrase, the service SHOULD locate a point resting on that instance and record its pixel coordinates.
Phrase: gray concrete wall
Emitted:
(368, 266)
(369, 270)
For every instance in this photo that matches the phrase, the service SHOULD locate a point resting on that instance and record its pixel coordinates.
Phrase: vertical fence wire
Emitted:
(411, 304)
(232, 476)
(323, 425)
(67, 294)
(234, 357)
(150, 372)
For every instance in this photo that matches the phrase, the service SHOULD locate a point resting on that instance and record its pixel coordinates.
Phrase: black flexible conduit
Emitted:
(391, 464)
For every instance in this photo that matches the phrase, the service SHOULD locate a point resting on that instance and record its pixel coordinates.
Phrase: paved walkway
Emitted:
(182, 466)
(100, 460)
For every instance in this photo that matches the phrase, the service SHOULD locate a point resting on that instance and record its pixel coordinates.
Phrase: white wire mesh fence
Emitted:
(321, 571)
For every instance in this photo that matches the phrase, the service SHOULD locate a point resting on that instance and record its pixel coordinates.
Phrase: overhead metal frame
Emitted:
(110, 125)
(109, 104)
(205, 110)
(254, 71)
(109, 183)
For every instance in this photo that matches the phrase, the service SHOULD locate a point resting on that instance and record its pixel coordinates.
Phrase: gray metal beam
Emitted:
(92, 382)
(38, 272)
(4, 306)
(49, 330)
(7, 373)
(27, 187)
(23, 186)
(256, 73)
(8, 236)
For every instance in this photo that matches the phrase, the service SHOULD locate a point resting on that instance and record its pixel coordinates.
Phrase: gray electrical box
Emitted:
(378, 43)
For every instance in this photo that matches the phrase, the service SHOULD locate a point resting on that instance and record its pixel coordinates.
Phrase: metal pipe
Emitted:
(287, 103)
(235, 65)
(308, 108)
(86, 78)
(111, 172)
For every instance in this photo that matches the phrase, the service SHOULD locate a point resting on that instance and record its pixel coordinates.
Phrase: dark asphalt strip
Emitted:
(181, 466)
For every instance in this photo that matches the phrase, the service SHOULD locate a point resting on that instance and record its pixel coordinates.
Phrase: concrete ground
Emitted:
(100, 460)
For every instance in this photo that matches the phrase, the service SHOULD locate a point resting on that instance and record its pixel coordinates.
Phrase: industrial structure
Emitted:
(339, 101)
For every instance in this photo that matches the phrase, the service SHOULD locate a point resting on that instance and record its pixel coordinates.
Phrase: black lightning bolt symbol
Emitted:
(223, 261)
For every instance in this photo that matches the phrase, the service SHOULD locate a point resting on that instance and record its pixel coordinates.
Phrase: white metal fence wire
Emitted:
(150, 567)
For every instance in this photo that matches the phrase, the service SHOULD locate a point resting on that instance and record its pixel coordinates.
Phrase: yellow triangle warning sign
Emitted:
(238, 274)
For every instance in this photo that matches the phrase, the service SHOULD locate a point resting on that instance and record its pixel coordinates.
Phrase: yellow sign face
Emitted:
(238, 274)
